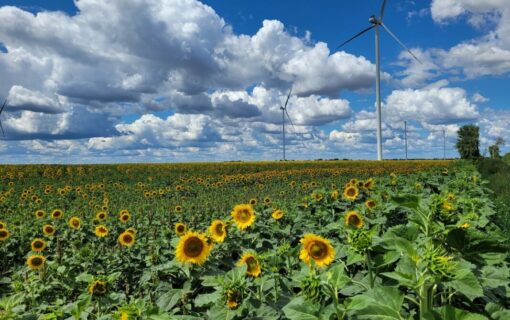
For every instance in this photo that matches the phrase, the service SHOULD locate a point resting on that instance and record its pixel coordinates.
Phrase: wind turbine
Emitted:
(1, 110)
(376, 24)
(284, 112)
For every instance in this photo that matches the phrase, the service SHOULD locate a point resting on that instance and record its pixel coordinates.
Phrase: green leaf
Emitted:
(497, 312)
(301, 309)
(408, 201)
(450, 313)
(205, 299)
(378, 303)
(169, 299)
(466, 283)
(85, 277)
(403, 279)
(336, 276)
(494, 277)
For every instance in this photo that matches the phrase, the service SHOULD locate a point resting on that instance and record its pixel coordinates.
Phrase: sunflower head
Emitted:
(4, 234)
(178, 209)
(252, 263)
(253, 201)
(277, 214)
(125, 217)
(180, 229)
(49, 230)
(267, 200)
(39, 214)
(193, 247)
(75, 223)
(57, 214)
(233, 298)
(370, 204)
(318, 249)
(38, 245)
(334, 195)
(127, 239)
(101, 215)
(101, 231)
(218, 231)
(354, 219)
(3, 225)
(97, 288)
(131, 230)
(243, 216)
(369, 184)
(123, 212)
(351, 193)
(35, 262)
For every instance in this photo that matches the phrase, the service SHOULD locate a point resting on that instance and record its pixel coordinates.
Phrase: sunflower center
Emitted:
(49, 230)
(180, 228)
(37, 261)
(128, 238)
(38, 244)
(193, 247)
(244, 216)
(219, 229)
(3, 233)
(76, 223)
(354, 220)
(317, 250)
(252, 264)
(351, 192)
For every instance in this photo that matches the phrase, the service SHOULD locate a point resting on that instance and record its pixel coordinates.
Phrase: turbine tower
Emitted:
(1, 110)
(376, 24)
(284, 111)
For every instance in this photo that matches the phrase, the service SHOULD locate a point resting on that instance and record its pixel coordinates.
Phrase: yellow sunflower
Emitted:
(252, 263)
(334, 195)
(4, 234)
(38, 245)
(267, 200)
(125, 217)
(193, 248)
(351, 193)
(36, 262)
(3, 225)
(370, 204)
(353, 218)
(123, 212)
(101, 215)
(75, 223)
(101, 231)
(243, 215)
(233, 298)
(127, 239)
(48, 230)
(180, 229)
(131, 230)
(218, 231)
(178, 209)
(369, 184)
(317, 248)
(57, 214)
(97, 287)
(277, 214)
(253, 201)
(39, 214)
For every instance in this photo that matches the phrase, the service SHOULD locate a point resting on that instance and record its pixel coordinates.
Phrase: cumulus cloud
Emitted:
(24, 99)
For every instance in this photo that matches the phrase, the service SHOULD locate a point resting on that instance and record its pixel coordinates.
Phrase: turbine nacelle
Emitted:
(373, 20)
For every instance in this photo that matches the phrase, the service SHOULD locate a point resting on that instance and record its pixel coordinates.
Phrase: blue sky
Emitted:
(167, 80)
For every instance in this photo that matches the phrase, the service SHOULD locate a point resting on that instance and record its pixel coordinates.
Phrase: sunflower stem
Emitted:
(370, 271)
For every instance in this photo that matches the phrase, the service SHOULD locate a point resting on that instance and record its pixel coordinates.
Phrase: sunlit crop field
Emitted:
(265, 240)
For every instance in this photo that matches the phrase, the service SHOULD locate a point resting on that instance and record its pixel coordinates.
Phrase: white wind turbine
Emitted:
(1, 110)
(376, 23)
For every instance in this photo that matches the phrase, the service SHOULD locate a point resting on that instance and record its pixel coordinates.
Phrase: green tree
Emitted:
(494, 149)
(468, 142)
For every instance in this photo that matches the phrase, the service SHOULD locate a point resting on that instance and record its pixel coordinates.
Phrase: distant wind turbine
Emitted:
(376, 23)
(1, 110)
(284, 112)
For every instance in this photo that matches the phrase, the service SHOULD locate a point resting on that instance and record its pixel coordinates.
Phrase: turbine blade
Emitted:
(1, 127)
(288, 97)
(382, 10)
(294, 128)
(400, 42)
(354, 37)
(3, 106)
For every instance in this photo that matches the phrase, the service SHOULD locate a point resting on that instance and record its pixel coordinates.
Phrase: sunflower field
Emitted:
(266, 240)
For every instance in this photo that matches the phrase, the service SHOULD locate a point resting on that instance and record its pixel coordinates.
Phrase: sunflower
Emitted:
(267, 200)
(351, 193)
(253, 201)
(180, 229)
(334, 195)
(75, 223)
(39, 214)
(101, 231)
(277, 214)
(318, 249)
(243, 215)
(123, 212)
(35, 262)
(3, 225)
(218, 231)
(57, 214)
(233, 298)
(353, 218)
(252, 263)
(4, 234)
(127, 239)
(193, 248)
(101, 215)
(97, 287)
(178, 209)
(131, 230)
(369, 184)
(48, 230)
(38, 245)
(447, 206)
(318, 196)
(370, 204)
(125, 217)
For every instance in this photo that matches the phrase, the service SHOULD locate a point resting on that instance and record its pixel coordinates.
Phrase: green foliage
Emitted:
(468, 142)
